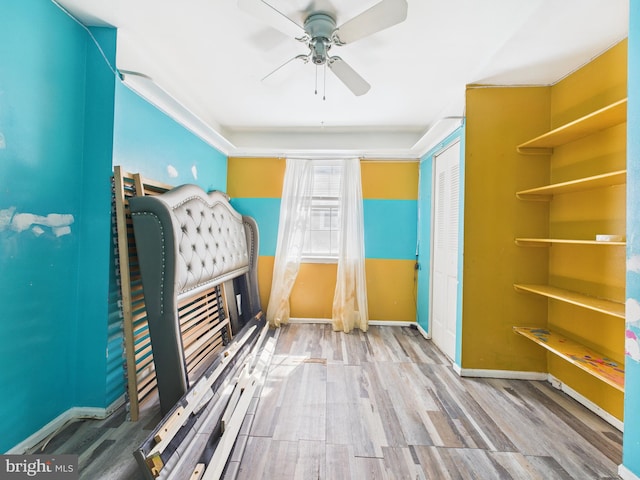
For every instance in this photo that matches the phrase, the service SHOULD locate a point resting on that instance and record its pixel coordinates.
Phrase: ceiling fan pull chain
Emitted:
(324, 87)
(316, 91)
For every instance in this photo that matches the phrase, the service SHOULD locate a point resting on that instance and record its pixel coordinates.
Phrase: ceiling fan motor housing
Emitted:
(319, 27)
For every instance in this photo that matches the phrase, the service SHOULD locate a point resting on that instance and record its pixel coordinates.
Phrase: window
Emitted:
(323, 234)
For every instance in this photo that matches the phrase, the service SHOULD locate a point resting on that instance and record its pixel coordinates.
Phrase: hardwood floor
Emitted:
(381, 405)
(105, 447)
(387, 405)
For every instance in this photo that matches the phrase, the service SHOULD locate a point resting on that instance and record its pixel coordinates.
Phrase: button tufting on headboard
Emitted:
(199, 264)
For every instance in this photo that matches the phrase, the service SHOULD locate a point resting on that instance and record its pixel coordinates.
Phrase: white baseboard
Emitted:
(391, 323)
(377, 323)
(578, 397)
(309, 320)
(517, 375)
(424, 333)
(626, 474)
(60, 421)
(506, 374)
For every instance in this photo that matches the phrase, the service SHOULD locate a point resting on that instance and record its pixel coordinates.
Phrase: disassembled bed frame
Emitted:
(188, 273)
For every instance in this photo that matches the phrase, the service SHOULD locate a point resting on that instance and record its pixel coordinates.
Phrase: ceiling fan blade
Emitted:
(279, 74)
(348, 76)
(382, 15)
(272, 16)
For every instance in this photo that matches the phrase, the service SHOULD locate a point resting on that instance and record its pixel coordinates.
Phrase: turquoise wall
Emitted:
(65, 119)
(425, 206)
(266, 212)
(53, 219)
(631, 440)
(393, 239)
(94, 230)
(390, 228)
(150, 143)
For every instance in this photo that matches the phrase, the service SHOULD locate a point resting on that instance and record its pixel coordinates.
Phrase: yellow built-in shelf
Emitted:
(547, 192)
(602, 305)
(602, 119)
(591, 361)
(547, 242)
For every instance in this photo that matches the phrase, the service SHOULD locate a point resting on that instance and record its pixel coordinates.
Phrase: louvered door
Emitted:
(445, 252)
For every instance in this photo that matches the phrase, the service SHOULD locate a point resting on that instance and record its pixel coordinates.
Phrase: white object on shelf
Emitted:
(609, 238)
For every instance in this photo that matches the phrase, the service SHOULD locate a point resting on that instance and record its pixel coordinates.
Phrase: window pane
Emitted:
(326, 181)
(322, 235)
(324, 218)
(332, 219)
(321, 242)
(334, 242)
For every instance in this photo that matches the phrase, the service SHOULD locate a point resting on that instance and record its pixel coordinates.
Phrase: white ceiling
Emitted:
(210, 57)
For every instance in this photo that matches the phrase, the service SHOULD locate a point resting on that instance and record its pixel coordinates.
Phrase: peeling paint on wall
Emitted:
(632, 313)
(631, 346)
(58, 223)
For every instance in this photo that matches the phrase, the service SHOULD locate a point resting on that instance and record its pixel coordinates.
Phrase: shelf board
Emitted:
(547, 192)
(547, 242)
(592, 362)
(606, 117)
(602, 305)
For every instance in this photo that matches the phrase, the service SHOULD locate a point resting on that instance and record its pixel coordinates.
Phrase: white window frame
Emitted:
(330, 201)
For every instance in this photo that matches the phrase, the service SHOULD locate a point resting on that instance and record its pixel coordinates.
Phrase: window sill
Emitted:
(319, 260)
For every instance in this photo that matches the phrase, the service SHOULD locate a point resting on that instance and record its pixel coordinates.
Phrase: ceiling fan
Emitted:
(318, 30)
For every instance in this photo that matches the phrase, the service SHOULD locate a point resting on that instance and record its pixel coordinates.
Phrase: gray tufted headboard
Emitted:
(188, 241)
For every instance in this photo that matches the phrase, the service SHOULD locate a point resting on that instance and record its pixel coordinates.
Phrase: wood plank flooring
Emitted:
(381, 405)
(105, 447)
(388, 405)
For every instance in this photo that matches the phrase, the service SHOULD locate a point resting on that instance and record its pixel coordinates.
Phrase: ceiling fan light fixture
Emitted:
(319, 51)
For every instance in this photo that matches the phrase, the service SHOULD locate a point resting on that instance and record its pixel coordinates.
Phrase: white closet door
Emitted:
(445, 249)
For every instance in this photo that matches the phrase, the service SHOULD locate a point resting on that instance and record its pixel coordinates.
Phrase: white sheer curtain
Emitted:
(350, 298)
(295, 209)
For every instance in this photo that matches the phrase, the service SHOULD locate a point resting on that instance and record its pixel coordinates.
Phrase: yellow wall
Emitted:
(595, 85)
(391, 289)
(312, 295)
(594, 270)
(255, 177)
(391, 180)
(498, 119)
(265, 274)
